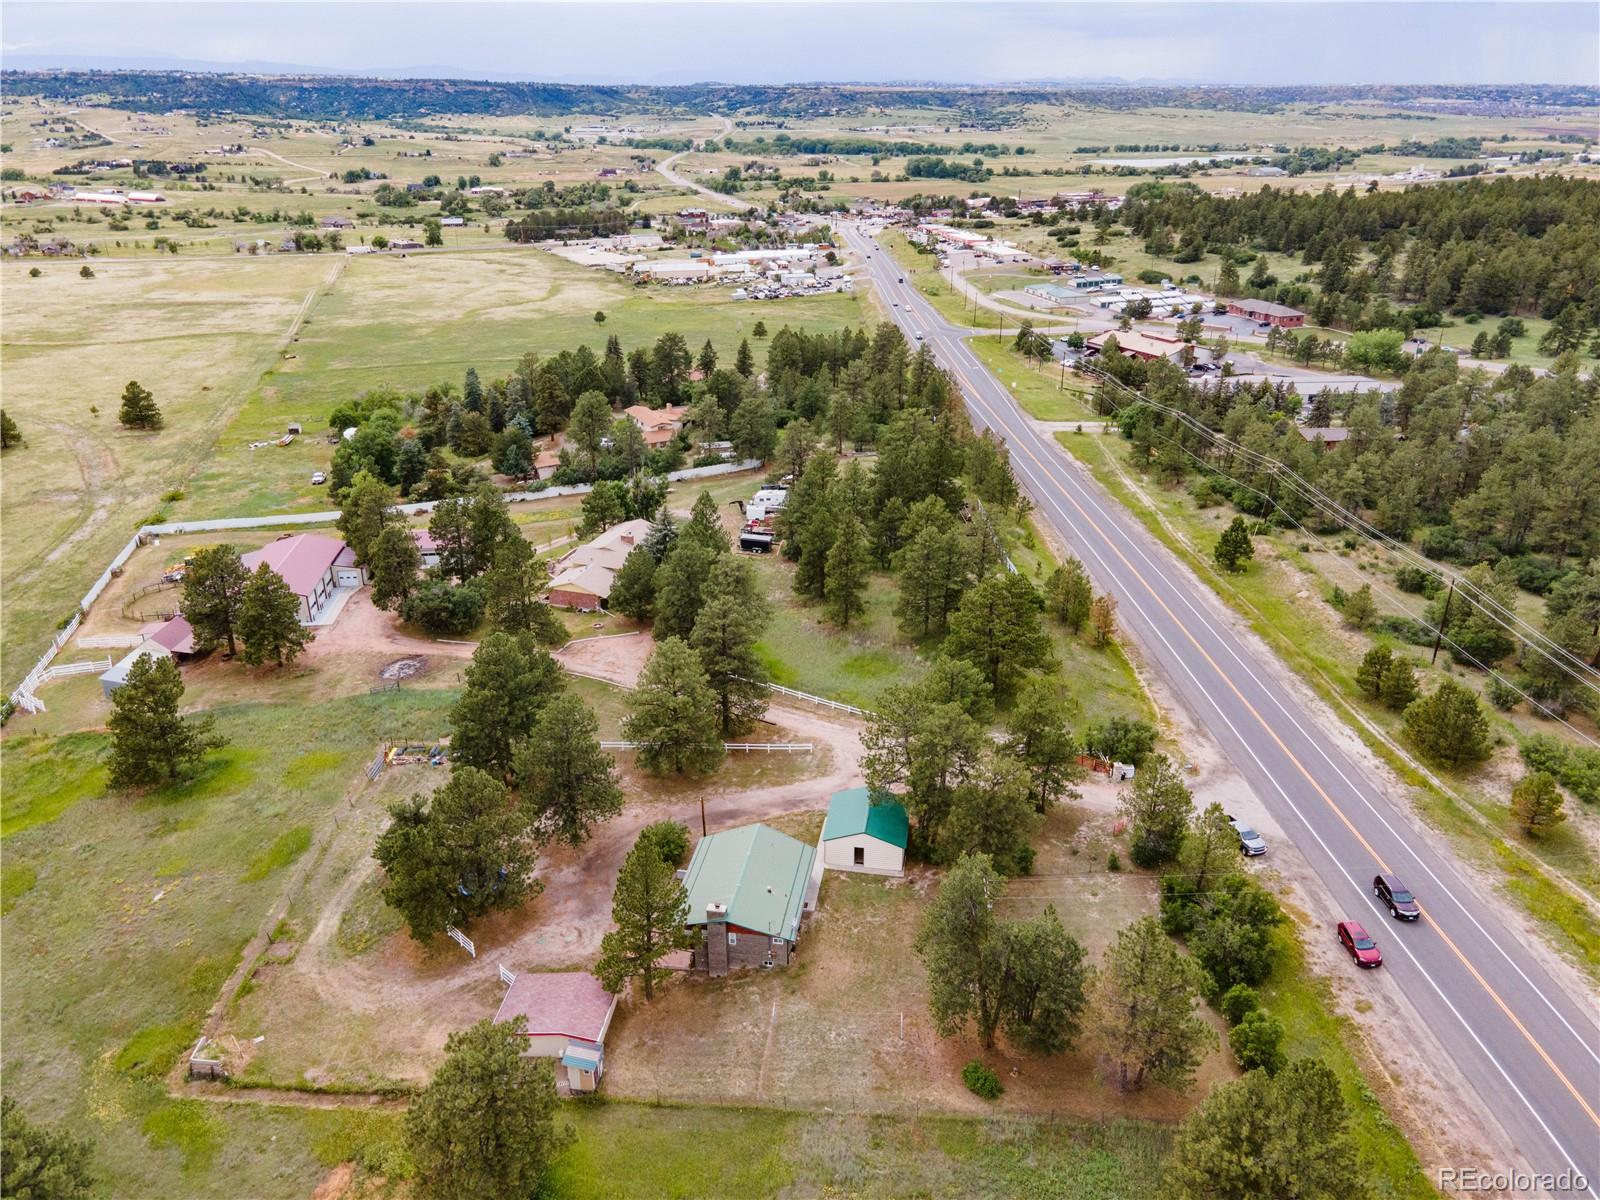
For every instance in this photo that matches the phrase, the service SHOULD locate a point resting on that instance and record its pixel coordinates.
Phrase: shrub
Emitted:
(1404, 629)
(981, 1081)
(1120, 740)
(1416, 581)
(1257, 1041)
(1113, 862)
(440, 607)
(1576, 769)
(670, 839)
(1501, 694)
(1238, 1001)
(1535, 572)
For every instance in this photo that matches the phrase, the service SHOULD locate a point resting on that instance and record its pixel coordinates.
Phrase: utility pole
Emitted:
(702, 814)
(1444, 619)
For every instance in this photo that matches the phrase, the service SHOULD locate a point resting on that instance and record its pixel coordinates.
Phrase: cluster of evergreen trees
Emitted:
(1528, 245)
(1496, 472)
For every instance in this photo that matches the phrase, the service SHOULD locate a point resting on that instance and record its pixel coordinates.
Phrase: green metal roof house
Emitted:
(748, 888)
(865, 833)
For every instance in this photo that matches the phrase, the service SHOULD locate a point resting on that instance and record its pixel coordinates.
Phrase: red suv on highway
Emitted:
(1359, 943)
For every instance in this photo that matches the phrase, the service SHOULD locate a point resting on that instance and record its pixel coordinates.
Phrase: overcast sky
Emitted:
(1244, 43)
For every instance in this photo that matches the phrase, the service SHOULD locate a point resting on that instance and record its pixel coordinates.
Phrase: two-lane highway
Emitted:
(1526, 1045)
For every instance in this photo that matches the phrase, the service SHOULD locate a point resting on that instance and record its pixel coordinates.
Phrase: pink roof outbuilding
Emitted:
(302, 559)
(175, 637)
(564, 1003)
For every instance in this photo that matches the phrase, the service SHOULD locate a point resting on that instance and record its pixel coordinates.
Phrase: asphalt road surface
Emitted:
(1526, 1045)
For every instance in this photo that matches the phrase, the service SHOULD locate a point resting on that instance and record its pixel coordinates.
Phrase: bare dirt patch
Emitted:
(404, 668)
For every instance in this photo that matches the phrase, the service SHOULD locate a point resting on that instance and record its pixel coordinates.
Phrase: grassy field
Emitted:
(137, 911)
(1549, 878)
(1037, 388)
(196, 334)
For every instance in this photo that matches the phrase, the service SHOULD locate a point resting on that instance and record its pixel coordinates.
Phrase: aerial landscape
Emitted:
(800, 600)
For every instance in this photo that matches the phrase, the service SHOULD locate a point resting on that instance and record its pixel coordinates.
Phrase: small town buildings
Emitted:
(336, 222)
(568, 1014)
(404, 243)
(749, 888)
(1144, 346)
(321, 570)
(583, 581)
(452, 222)
(1265, 312)
(865, 833)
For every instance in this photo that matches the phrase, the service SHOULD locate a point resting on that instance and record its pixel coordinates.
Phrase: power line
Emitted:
(1455, 646)
(1553, 652)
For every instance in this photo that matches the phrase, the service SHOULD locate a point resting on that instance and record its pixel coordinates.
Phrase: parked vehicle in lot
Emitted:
(1360, 944)
(1402, 904)
(1251, 843)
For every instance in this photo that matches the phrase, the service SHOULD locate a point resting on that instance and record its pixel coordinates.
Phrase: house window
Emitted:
(733, 939)
(861, 856)
(777, 941)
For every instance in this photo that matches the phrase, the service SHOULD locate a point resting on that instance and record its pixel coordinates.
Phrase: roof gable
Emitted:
(301, 560)
(853, 812)
(569, 1003)
(757, 872)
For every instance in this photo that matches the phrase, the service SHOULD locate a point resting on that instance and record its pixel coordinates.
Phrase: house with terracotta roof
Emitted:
(321, 570)
(583, 576)
(568, 1015)
(651, 420)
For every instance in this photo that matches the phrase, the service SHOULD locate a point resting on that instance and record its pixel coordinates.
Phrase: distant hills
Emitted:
(285, 92)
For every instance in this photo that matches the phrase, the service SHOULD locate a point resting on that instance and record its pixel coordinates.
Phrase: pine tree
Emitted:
(10, 435)
(1537, 804)
(1360, 608)
(139, 410)
(1369, 675)
(1142, 1010)
(725, 634)
(486, 1123)
(997, 629)
(367, 509)
(1399, 686)
(394, 565)
(744, 362)
(935, 573)
(508, 683)
(213, 586)
(650, 909)
(705, 526)
(633, 588)
(38, 1163)
(1039, 736)
(269, 619)
(567, 782)
(680, 588)
(760, 330)
(1234, 547)
(512, 591)
(1448, 725)
(707, 362)
(848, 568)
(673, 713)
(1157, 807)
(1068, 594)
(150, 742)
(1103, 619)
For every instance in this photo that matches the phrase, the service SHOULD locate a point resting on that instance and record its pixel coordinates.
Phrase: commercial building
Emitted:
(1265, 312)
(1143, 346)
(749, 889)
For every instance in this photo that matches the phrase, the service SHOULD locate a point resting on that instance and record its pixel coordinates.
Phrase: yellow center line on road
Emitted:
(1289, 754)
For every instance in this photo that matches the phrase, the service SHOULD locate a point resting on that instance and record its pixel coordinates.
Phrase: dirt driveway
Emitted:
(383, 1012)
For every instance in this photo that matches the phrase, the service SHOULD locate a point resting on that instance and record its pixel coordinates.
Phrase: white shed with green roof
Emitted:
(865, 832)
